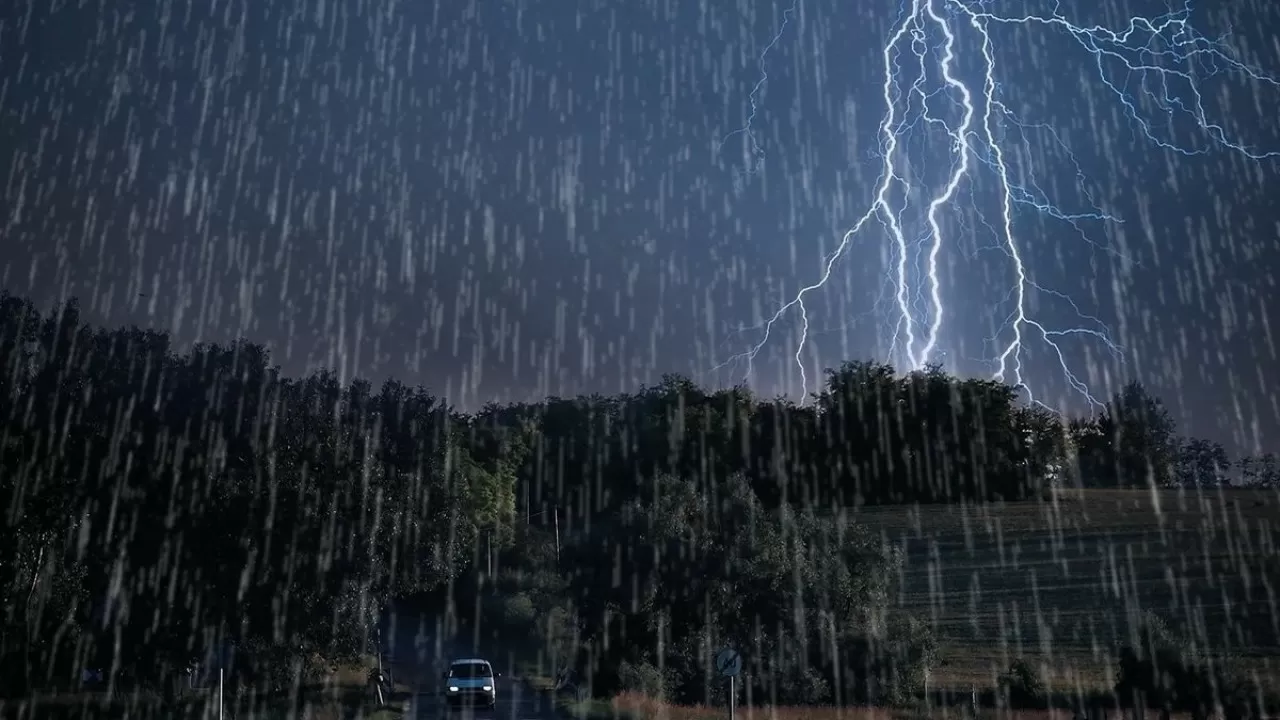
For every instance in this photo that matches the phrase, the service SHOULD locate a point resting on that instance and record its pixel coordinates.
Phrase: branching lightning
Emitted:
(1161, 52)
(756, 156)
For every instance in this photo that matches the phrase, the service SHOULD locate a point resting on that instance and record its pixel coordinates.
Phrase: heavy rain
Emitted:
(639, 359)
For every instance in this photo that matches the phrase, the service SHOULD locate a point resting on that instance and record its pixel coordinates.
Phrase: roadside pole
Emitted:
(555, 520)
(220, 700)
(729, 663)
(378, 649)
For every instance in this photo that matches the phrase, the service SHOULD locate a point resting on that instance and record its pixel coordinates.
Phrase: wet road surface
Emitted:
(515, 702)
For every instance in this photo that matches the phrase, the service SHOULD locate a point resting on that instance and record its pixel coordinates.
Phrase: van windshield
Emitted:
(470, 670)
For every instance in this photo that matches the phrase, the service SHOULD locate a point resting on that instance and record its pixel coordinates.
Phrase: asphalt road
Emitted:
(515, 702)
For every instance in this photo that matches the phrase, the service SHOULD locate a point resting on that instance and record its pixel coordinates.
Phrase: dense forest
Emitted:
(162, 501)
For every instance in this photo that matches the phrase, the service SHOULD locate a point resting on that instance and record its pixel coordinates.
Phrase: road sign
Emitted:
(728, 662)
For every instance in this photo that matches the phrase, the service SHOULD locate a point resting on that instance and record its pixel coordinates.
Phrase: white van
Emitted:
(471, 681)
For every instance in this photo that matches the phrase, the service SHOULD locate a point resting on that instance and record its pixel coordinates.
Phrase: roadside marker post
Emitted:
(729, 664)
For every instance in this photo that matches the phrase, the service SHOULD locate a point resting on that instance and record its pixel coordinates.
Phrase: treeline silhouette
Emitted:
(160, 503)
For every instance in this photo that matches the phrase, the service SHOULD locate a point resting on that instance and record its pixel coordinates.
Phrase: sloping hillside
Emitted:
(1060, 580)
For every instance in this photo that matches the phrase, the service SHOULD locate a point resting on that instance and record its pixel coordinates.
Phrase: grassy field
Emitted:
(1059, 580)
(632, 706)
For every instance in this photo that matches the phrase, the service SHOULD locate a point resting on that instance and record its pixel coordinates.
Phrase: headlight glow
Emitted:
(488, 688)
(453, 688)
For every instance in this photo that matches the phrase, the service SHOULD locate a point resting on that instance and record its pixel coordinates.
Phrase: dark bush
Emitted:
(643, 678)
(1023, 687)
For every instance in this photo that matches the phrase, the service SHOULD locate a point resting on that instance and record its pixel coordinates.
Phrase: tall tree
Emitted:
(1132, 442)
(1201, 463)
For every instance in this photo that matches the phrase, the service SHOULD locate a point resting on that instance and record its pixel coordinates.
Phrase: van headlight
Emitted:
(453, 688)
(488, 688)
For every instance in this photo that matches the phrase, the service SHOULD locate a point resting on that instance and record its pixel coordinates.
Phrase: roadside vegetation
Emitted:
(163, 503)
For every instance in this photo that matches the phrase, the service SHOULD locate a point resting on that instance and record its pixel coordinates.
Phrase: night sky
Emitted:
(504, 200)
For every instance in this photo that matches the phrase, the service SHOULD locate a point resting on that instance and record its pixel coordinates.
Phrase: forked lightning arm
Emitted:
(753, 145)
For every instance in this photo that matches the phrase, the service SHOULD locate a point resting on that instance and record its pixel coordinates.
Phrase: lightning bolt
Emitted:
(753, 144)
(1159, 51)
